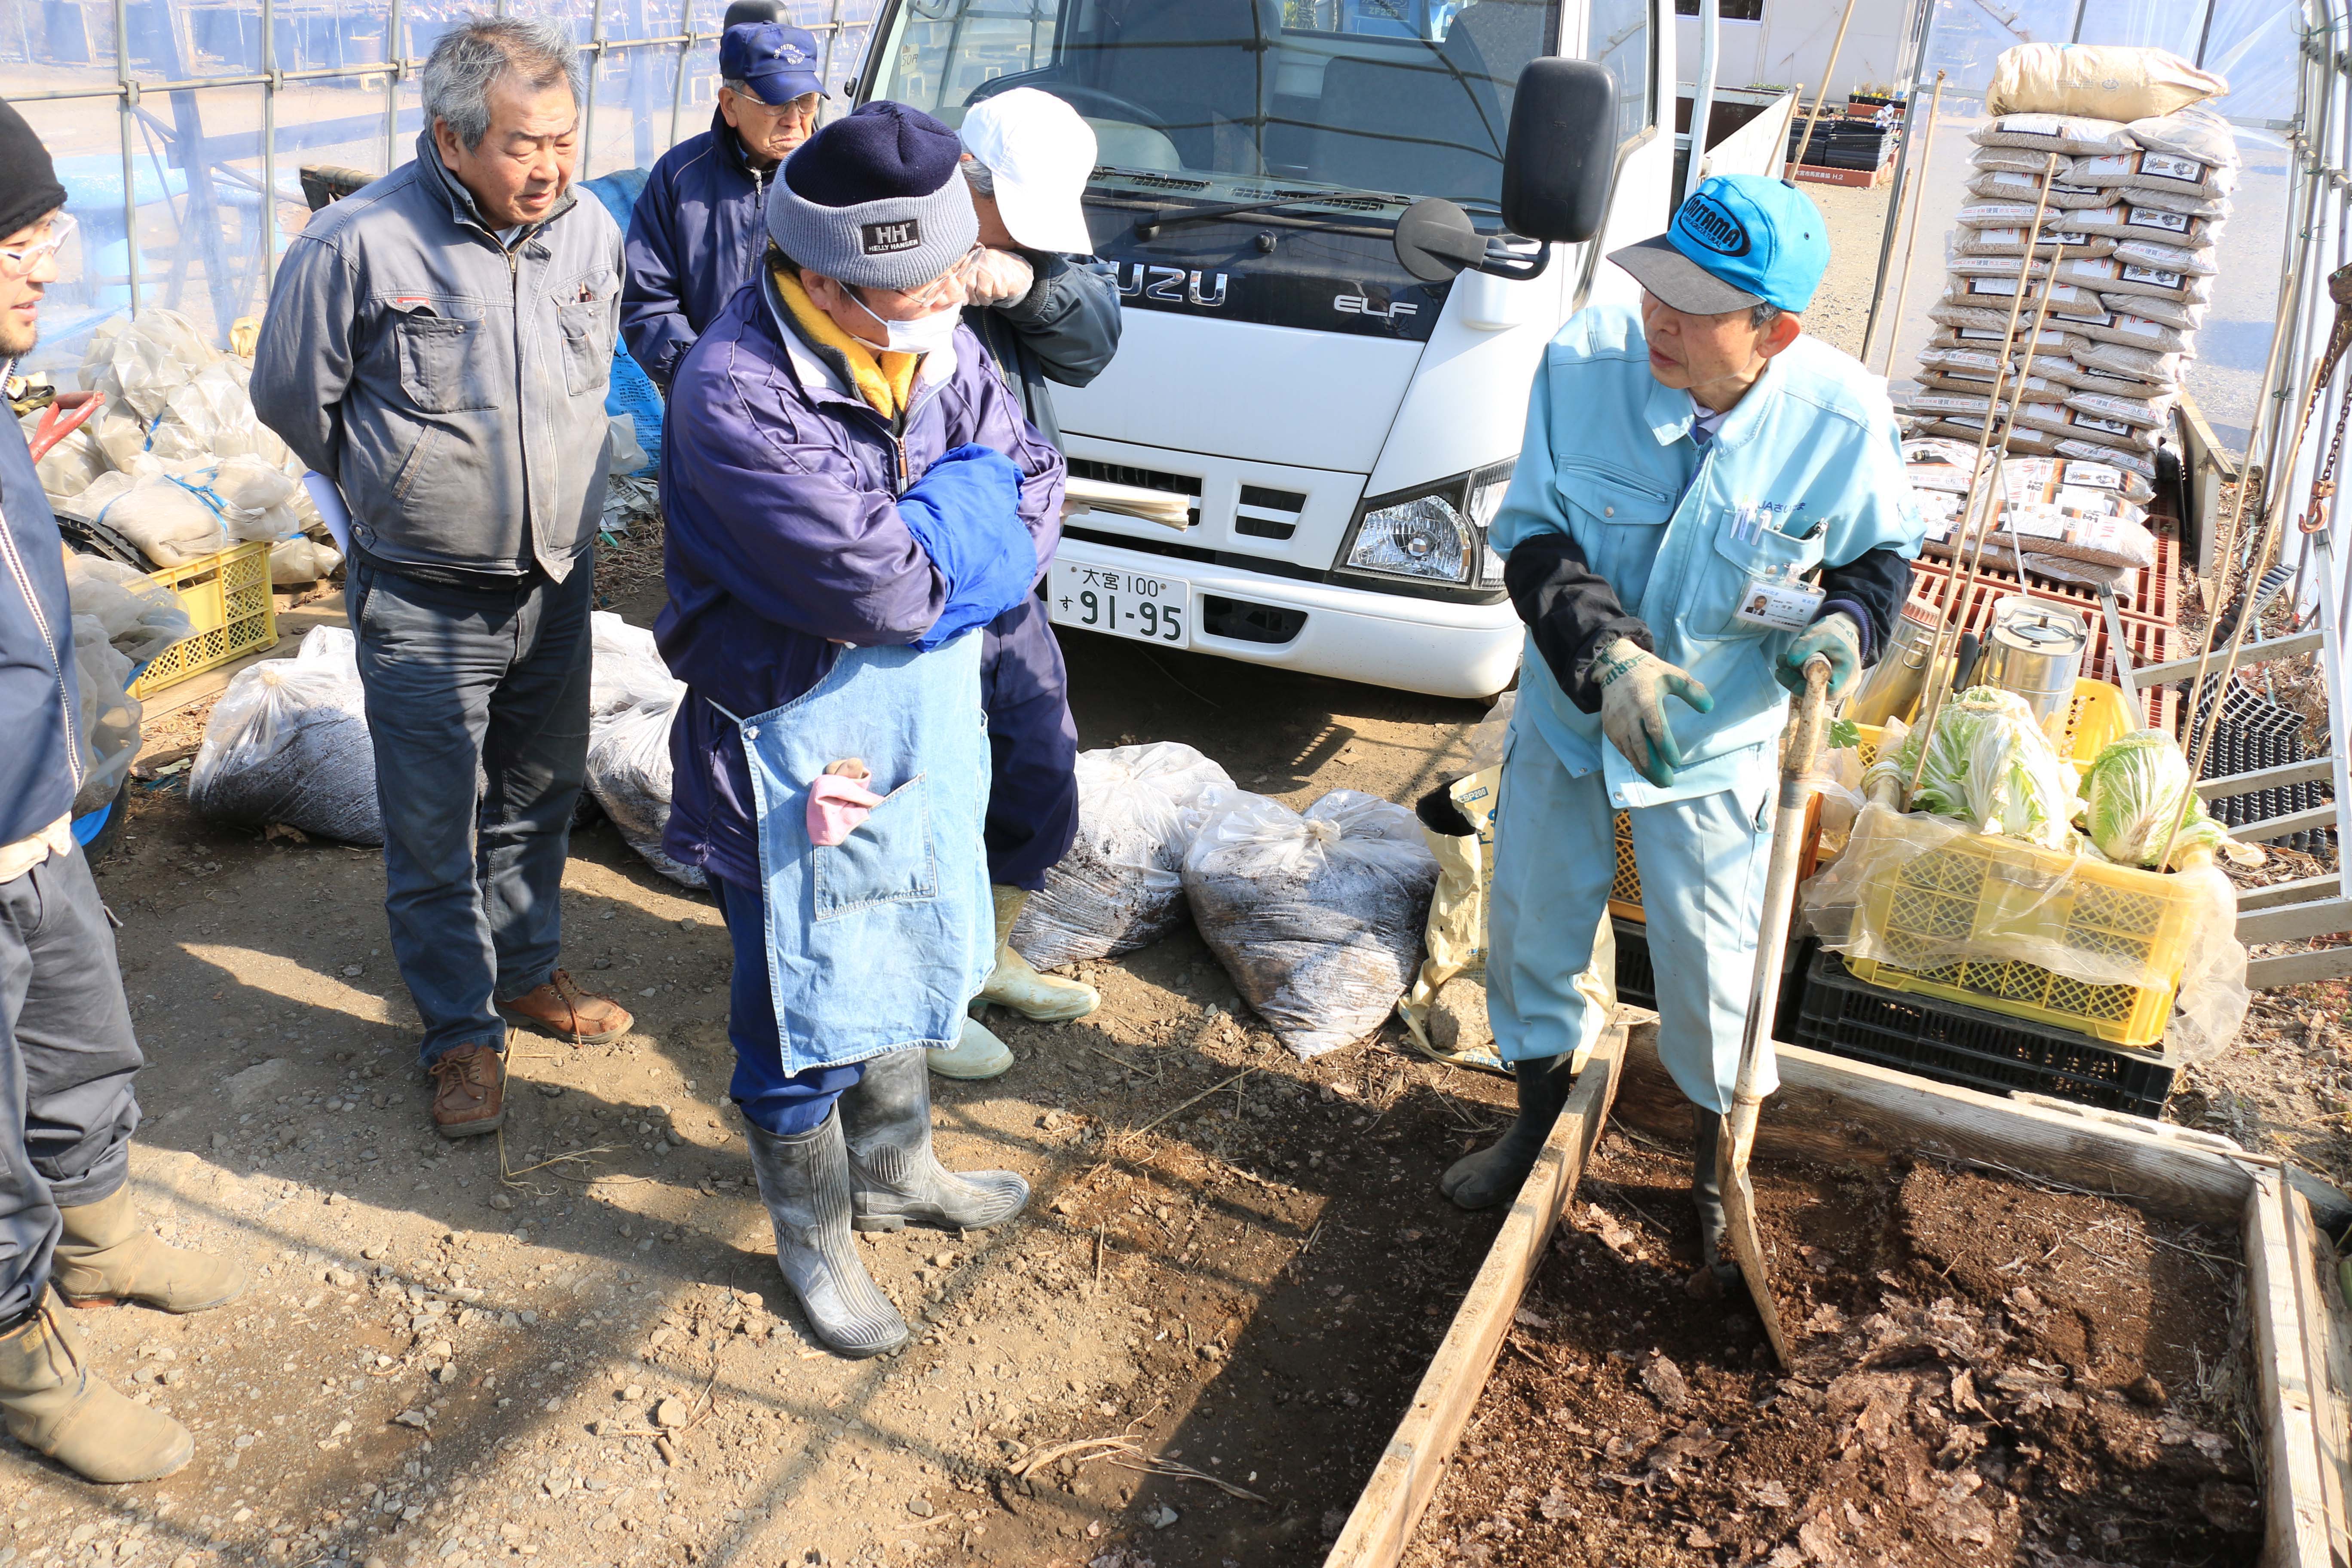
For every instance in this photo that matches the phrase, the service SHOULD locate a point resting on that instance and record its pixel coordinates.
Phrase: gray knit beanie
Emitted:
(873, 199)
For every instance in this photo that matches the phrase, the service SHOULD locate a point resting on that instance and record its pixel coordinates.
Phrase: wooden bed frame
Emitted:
(1841, 1112)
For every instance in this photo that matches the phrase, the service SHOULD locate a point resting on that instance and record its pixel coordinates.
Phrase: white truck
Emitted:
(1288, 190)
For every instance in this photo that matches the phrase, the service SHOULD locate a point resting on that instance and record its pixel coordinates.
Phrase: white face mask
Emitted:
(919, 336)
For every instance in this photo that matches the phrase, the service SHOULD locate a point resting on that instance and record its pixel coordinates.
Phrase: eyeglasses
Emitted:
(947, 282)
(21, 260)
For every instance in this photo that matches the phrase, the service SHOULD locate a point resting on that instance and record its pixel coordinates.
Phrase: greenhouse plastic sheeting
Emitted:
(207, 175)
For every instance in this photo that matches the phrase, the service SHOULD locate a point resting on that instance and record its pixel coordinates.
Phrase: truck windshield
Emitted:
(1215, 101)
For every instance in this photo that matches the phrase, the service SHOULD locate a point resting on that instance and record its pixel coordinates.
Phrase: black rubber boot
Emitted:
(1493, 1174)
(895, 1179)
(1717, 1271)
(804, 1182)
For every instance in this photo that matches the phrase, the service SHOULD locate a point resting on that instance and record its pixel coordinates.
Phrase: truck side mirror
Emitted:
(1561, 156)
(1557, 168)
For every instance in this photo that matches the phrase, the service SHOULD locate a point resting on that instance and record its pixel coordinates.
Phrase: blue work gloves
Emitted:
(1634, 684)
(965, 511)
(1836, 637)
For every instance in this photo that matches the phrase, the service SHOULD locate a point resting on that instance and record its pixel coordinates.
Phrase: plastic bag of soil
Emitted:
(1121, 885)
(629, 775)
(109, 715)
(289, 742)
(625, 670)
(1316, 916)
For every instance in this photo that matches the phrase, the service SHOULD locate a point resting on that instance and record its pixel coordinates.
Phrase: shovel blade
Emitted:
(1747, 1249)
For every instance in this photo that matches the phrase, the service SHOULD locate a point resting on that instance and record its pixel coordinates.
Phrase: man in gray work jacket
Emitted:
(438, 343)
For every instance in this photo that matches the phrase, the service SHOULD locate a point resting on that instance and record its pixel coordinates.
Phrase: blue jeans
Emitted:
(67, 1061)
(477, 704)
(786, 1104)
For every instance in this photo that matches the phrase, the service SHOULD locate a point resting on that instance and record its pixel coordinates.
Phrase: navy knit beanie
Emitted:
(873, 199)
(29, 181)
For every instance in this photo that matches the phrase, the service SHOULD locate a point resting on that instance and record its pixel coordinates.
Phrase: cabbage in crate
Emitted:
(1990, 764)
(2132, 796)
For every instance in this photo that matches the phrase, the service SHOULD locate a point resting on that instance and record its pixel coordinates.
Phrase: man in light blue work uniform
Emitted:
(1706, 498)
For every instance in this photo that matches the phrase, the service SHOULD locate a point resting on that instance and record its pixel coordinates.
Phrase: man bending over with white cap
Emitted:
(1047, 310)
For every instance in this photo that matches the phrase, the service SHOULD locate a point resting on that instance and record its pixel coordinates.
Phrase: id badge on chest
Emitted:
(1780, 604)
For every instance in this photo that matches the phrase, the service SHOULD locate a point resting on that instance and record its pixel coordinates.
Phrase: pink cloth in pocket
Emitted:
(836, 805)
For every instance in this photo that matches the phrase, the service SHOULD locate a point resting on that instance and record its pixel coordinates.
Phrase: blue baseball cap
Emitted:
(1740, 241)
(778, 63)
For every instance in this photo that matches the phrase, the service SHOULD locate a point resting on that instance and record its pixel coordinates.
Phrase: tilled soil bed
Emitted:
(1989, 1371)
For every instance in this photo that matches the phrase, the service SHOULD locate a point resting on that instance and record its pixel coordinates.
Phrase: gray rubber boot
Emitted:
(1493, 1174)
(895, 1179)
(1715, 1270)
(804, 1182)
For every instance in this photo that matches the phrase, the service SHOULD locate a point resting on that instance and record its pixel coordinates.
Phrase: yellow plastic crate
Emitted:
(2098, 715)
(226, 596)
(1625, 888)
(1976, 885)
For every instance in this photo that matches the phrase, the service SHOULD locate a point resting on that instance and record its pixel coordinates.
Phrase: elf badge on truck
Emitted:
(1343, 230)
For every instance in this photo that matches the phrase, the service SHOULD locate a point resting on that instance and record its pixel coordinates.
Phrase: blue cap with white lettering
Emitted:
(776, 62)
(1740, 241)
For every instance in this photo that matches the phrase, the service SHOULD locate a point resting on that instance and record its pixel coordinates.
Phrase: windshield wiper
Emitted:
(1151, 230)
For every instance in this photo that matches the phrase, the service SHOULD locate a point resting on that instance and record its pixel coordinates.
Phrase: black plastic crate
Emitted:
(1971, 1047)
(1637, 983)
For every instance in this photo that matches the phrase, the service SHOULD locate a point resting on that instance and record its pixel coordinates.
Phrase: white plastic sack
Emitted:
(301, 560)
(140, 616)
(1317, 917)
(289, 742)
(140, 362)
(109, 715)
(625, 670)
(169, 521)
(1121, 885)
(628, 454)
(67, 467)
(629, 775)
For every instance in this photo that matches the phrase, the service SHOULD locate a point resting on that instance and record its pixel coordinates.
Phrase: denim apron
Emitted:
(876, 945)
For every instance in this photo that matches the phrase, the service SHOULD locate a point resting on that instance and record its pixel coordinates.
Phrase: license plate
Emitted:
(1144, 606)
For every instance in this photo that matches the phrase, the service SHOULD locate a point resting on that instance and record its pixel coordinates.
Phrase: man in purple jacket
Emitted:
(852, 492)
(699, 225)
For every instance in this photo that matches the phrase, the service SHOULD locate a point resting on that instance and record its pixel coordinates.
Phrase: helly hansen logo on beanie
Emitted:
(1708, 221)
(889, 238)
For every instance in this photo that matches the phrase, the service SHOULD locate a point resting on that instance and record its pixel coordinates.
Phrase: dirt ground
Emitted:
(1235, 1262)
(1988, 1372)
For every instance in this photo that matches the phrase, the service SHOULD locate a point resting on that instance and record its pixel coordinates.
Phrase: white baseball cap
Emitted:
(1041, 153)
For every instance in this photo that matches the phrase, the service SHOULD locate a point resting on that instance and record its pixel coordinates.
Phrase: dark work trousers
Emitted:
(786, 1104)
(1033, 793)
(67, 1057)
(477, 704)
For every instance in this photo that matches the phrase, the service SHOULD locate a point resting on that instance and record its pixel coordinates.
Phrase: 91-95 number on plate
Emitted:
(1143, 605)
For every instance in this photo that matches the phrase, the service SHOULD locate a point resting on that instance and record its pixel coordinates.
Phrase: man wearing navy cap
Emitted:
(700, 224)
(1706, 498)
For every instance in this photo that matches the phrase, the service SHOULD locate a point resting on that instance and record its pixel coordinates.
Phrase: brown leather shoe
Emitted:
(469, 1090)
(560, 1008)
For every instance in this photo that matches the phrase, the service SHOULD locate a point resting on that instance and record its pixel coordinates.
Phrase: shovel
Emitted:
(1804, 740)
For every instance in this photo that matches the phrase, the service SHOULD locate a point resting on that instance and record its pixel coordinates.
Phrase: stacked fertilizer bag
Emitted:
(2137, 195)
(632, 698)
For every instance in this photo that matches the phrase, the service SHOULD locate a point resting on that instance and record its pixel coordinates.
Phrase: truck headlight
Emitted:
(1435, 533)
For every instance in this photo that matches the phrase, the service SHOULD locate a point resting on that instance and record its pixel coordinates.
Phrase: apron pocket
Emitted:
(886, 860)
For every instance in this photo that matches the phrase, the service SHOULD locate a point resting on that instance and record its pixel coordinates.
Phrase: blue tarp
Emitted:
(633, 392)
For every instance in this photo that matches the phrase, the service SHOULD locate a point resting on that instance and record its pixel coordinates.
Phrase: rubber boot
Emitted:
(1014, 983)
(1717, 1271)
(895, 1179)
(977, 1054)
(804, 1182)
(55, 1406)
(1493, 1174)
(106, 1257)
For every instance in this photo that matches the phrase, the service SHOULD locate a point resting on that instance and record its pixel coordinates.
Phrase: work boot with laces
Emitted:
(1014, 982)
(895, 1179)
(469, 1090)
(106, 1257)
(58, 1407)
(575, 1016)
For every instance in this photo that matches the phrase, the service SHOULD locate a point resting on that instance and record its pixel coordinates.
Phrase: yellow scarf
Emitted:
(882, 377)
